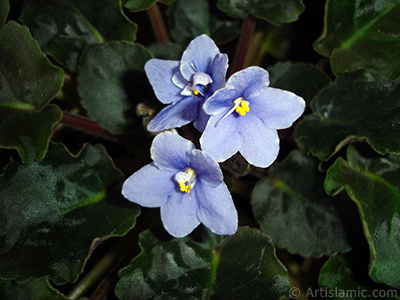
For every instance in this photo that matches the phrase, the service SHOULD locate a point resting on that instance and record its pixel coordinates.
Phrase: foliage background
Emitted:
(74, 103)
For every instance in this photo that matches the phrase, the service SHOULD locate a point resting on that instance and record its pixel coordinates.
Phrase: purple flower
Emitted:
(188, 186)
(186, 84)
(245, 116)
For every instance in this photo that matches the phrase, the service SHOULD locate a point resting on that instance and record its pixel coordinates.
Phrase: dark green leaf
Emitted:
(63, 27)
(111, 82)
(166, 51)
(273, 11)
(138, 5)
(242, 266)
(52, 211)
(338, 282)
(4, 10)
(33, 289)
(190, 19)
(362, 35)
(293, 209)
(374, 185)
(356, 106)
(28, 82)
(302, 79)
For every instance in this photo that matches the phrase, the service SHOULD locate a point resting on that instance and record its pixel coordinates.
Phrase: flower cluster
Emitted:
(241, 115)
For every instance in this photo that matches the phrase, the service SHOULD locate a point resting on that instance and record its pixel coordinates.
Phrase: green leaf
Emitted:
(63, 27)
(302, 79)
(273, 11)
(362, 35)
(356, 106)
(33, 289)
(4, 10)
(374, 185)
(292, 208)
(138, 5)
(338, 282)
(28, 82)
(167, 51)
(111, 82)
(242, 266)
(53, 211)
(190, 19)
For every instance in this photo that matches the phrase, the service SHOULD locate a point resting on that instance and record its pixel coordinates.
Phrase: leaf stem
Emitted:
(158, 24)
(243, 46)
(86, 125)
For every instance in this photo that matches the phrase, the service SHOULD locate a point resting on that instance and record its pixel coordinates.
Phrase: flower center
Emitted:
(239, 105)
(199, 86)
(186, 179)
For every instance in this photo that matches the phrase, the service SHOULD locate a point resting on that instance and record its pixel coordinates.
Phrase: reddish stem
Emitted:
(158, 24)
(86, 125)
(243, 46)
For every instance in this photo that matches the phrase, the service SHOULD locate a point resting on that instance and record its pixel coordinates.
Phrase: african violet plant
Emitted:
(267, 132)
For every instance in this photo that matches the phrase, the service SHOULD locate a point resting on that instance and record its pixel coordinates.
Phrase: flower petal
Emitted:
(221, 101)
(149, 186)
(176, 115)
(160, 73)
(179, 214)
(277, 108)
(216, 209)
(205, 167)
(201, 120)
(200, 52)
(260, 144)
(248, 79)
(218, 70)
(168, 151)
(222, 141)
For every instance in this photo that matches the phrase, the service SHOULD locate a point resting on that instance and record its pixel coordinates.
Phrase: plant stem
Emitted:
(86, 125)
(243, 46)
(158, 24)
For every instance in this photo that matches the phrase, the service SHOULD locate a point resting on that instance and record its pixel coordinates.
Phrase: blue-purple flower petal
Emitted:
(149, 187)
(201, 120)
(222, 141)
(160, 73)
(200, 53)
(206, 168)
(216, 209)
(219, 66)
(179, 214)
(260, 144)
(277, 108)
(249, 79)
(221, 101)
(176, 115)
(168, 151)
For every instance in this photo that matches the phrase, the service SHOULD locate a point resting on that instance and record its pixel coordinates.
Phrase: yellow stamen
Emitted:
(195, 92)
(243, 108)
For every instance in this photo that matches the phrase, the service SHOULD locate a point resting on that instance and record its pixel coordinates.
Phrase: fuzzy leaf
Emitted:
(242, 266)
(63, 27)
(293, 209)
(4, 10)
(337, 281)
(111, 82)
(190, 19)
(273, 11)
(52, 211)
(356, 106)
(302, 79)
(33, 289)
(28, 82)
(362, 35)
(374, 185)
